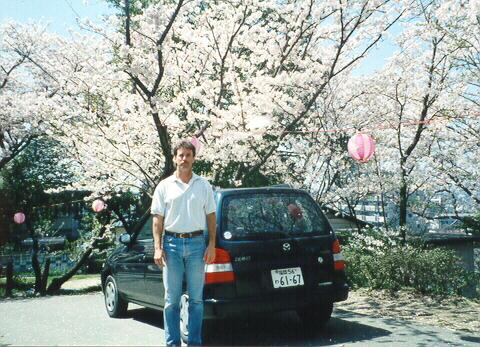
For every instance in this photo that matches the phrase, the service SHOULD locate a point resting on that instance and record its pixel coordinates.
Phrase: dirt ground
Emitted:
(456, 313)
(82, 284)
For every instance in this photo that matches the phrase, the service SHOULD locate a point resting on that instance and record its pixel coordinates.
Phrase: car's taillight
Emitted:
(221, 270)
(338, 260)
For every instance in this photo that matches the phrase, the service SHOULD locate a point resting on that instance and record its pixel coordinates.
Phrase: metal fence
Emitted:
(22, 262)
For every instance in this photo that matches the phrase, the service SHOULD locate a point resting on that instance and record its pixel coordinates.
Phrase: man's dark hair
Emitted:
(185, 144)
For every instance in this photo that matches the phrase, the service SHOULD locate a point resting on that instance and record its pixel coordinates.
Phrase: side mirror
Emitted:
(125, 238)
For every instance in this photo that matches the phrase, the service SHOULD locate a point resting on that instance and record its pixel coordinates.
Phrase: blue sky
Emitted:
(61, 14)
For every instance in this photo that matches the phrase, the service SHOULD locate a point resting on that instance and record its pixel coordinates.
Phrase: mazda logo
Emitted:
(286, 247)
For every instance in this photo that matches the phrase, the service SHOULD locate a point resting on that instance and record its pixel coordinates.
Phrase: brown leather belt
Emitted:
(184, 235)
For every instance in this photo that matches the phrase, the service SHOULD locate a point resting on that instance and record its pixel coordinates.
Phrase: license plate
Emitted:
(290, 277)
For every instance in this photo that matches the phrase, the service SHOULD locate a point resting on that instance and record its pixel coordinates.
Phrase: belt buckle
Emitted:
(183, 235)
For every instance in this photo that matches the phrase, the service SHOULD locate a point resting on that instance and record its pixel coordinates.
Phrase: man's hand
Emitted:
(159, 257)
(209, 256)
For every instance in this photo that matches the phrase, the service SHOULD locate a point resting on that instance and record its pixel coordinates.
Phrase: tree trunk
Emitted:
(59, 281)
(36, 267)
(403, 207)
(9, 278)
(46, 271)
(353, 213)
(35, 263)
(382, 197)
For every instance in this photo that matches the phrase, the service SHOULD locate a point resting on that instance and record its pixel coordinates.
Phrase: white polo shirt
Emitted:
(184, 206)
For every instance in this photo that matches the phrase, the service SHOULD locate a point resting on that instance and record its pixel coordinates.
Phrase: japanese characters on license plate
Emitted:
(290, 277)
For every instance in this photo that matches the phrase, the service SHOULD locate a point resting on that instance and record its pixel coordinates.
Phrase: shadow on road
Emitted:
(146, 316)
(403, 332)
(277, 329)
(286, 329)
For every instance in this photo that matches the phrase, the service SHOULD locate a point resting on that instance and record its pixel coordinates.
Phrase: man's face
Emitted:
(184, 159)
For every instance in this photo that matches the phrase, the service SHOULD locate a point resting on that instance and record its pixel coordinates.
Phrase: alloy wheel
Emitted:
(110, 294)
(184, 316)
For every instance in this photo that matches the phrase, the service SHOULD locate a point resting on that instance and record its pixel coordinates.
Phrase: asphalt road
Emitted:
(81, 320)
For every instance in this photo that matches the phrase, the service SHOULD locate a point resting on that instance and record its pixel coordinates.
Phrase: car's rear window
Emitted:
(255, 215)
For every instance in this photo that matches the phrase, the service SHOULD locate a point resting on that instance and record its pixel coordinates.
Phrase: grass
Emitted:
(24, 283)
(29, 277)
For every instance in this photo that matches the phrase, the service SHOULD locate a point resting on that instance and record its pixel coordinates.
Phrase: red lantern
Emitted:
(361, 147)
(98, 205)
(19, 217)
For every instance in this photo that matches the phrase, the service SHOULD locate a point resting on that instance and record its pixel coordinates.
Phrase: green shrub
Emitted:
(376, 259)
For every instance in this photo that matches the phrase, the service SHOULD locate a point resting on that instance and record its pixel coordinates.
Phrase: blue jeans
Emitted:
(183, 256)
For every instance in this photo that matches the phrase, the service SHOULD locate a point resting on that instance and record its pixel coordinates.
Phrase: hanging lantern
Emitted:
(361, 147)
(19, 217)
(98, 205)
(295, 211)
(196, 143)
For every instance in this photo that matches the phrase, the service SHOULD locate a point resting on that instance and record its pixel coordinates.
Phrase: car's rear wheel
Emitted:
(184, 322)
(316, 316)
(116, 306)
(184, 318)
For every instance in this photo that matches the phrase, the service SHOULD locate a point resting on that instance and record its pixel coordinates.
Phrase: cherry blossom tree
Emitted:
(241, 76)
(262, 84)
(458, 150)
(413, 107)
(22, 87)
(269, 89)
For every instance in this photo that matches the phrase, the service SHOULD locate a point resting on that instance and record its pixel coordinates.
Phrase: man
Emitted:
(182, 207)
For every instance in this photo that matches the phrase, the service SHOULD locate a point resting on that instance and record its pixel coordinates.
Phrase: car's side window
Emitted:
(146, 232)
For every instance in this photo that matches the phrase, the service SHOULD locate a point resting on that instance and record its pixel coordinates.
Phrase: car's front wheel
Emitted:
(116, 306)
(316, 316)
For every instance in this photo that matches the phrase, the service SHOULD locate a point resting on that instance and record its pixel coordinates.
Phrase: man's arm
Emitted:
(157, 230)
(212, 231)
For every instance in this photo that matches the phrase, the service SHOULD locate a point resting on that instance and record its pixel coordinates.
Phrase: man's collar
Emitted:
(194, 177)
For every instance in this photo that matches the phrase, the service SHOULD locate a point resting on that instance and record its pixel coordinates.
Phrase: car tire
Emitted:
(315, 316)
(116, 306)
(184, 318)
(184, 321)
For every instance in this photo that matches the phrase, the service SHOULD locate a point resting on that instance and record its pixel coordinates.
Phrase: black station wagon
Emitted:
(275, 251)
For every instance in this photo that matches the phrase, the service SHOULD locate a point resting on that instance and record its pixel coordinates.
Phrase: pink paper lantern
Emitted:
(295, 211)
(197, 144)
(361, 147)
(19, 217)
(98, 205)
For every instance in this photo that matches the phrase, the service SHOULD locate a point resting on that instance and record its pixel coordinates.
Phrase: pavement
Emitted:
(81, 320)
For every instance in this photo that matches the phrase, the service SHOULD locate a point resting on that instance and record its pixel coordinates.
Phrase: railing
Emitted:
(22, 261)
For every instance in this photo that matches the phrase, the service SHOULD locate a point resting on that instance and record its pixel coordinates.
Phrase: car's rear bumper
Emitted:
(215, 308)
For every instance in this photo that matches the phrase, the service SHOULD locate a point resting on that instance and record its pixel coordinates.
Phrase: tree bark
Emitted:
(9, 278)
(35, 263)
(403, 204)
(165, 145)
(44, 282)
(57, 282)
